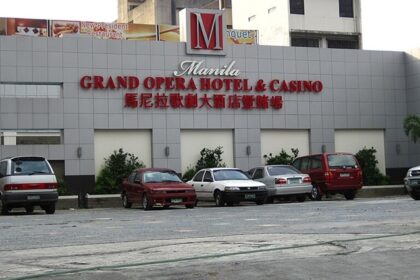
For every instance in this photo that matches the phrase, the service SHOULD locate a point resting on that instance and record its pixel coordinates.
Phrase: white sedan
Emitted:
(227, 186)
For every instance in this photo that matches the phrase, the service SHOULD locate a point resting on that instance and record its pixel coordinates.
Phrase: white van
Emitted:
(27, 181)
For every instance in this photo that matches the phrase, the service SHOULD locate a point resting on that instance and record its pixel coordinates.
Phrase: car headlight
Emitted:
(231, 189)
(408, 173)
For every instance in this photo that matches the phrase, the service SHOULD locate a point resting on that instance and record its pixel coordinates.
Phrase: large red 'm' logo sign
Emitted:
(206, 31)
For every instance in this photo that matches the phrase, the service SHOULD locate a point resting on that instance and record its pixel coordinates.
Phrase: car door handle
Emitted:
(202, 185)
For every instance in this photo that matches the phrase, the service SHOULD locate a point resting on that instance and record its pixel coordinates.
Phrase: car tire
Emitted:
(4, 209)
(146, 203)
(350, 195)
(229, 203)
(50, 209)
(260, 201)
(414, 195)
(125, 202)
(189, 206)
(218, 198)
(29, 209)
(301, 198)
(269, 199)
(315, 193)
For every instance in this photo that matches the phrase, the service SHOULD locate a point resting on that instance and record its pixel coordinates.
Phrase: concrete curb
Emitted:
(114, 200)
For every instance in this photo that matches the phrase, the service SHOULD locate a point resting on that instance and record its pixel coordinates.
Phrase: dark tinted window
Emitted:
(297, 163)
(316, 162)
(306, 164)
(161, 176)
(3, 167)
(199, 176)
(342, 44)
(341, 161)
(258, 173)
(305, 42)
(229, 174)
(281, 170)
(208, 177)
(30, 165)
(131, 177)
(297, 7)
(137, 177)
(346, 8)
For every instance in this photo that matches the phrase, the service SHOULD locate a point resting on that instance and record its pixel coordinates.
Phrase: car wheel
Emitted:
(269, 199)
(50, 209)
(315, 193)
(29, 209)
(125, 202)
(146, 203)
(229, 203)
(260, 201)
(219, 199)
(350, 195)
(415, 195)
(301, 198)
(4, 209)
(189, 206)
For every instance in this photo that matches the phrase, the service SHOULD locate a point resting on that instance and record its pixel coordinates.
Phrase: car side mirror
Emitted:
(137, 181)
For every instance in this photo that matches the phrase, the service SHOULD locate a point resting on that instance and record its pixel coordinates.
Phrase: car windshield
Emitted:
(281, 170)
(160, 177)
(229, 174)
(341, 161)
(30, 166)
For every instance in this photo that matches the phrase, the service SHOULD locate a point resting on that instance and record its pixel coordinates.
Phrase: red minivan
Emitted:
(331, 173)
(156, 187)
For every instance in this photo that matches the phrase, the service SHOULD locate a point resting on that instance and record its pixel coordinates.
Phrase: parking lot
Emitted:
(368, 238)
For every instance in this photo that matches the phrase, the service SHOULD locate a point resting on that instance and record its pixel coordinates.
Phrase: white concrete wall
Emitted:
(273, 141)
(273, 26)
(193, 141)
(354, 140)
(324, 15)
(137, 142)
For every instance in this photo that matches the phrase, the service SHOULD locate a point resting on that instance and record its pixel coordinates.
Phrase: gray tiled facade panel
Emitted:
(362, 89)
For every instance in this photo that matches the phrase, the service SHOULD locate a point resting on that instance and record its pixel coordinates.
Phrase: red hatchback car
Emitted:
(156, 187)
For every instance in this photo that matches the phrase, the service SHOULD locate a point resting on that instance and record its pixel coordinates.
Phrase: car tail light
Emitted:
(328, 176)
(29, 186)
(280, 181)
(307, 179)
(360, 174)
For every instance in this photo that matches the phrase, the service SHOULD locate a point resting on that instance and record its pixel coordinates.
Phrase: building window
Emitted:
(342, 44)
(31, 137)
(17, 90)
(305, 42)
(346, 8)
(297, 7)
(226, 4)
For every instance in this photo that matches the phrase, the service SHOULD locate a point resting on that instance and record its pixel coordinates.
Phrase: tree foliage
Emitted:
(282, 158)
(209, 158)
(412, 127)
(368, 162)
(117, 167)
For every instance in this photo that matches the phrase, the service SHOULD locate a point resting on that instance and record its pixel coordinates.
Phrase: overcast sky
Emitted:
(386, 24)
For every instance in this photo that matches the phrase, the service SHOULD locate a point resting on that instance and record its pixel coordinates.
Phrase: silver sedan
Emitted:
(282, 181)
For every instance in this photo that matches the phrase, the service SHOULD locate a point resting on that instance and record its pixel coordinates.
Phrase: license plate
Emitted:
(176, 200)
(33, 197)
(294, 181)
(344, 175)
(250, 196)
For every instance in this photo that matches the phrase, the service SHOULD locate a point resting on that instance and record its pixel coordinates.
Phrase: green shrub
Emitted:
(371, 174)
(62, 187)
(282, 157)
(117, 167)
(209, 158)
